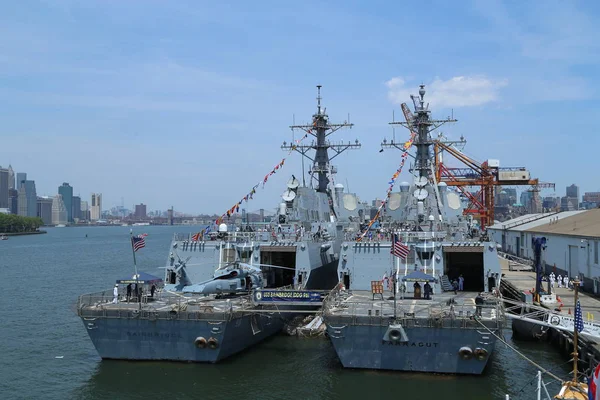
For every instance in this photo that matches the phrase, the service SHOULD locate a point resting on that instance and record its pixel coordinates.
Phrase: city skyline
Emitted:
(145, 114)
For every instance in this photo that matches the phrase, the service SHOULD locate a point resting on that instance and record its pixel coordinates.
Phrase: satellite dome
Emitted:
(442, 184)
(223, 228)
(339, 186)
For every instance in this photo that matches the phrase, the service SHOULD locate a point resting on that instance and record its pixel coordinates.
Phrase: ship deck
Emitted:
(447, 309)
(165, 305)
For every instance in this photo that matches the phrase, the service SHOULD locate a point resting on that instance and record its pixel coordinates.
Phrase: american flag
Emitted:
(578, 317)
(398, 248)
(138, 241)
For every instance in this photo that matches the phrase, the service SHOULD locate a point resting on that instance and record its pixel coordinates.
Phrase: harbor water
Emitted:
(45, 351)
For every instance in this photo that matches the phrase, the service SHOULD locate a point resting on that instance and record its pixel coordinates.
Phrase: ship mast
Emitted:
(420, 123)
(320, 129)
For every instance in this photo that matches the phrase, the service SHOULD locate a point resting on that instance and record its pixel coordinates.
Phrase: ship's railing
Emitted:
(260, 237)
(164, 305)
(441, 314)
(404, 236)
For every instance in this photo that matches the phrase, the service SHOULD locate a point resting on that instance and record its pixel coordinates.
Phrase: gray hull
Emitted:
(144, 339)
(427, 350)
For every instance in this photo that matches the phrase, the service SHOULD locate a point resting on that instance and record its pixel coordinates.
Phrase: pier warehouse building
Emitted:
(572, 242)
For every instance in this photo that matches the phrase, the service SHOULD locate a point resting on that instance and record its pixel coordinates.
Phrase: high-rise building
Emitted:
(11, 178)
(4, 188)
(76, 208)
(96, 208)
(27, 200)
(21, 176)
(592, 197)
(44, 209)
(573, 191)
(140, 211)
(85, 210)
(59, 212)
(13, 201)
(66, 191)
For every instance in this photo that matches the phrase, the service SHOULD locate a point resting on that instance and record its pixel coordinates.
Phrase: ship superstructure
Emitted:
(208, 309)
(429, 307)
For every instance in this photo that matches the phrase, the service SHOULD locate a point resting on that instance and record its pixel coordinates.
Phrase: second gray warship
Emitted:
(418, 294)
(224, 287)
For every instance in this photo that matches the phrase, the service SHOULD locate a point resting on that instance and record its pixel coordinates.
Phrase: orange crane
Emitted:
(486, 175)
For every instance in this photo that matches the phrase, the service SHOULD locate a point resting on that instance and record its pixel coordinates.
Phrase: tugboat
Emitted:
(420, 294)
(225, 287)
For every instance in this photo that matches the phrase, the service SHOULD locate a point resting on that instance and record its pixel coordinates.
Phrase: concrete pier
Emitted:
(516, 282)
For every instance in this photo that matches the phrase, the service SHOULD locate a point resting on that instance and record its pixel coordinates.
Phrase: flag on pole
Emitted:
(398, 248)
(593, 382)
(578, 317)
(138, 242)
(196, 237)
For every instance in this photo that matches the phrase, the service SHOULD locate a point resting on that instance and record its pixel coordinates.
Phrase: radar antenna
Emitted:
(320, 129)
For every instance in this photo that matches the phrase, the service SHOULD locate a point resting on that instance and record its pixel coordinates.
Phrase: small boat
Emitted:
(3, 237)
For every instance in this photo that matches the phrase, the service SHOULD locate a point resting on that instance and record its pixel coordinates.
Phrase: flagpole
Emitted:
(137, 286)
(575, 333)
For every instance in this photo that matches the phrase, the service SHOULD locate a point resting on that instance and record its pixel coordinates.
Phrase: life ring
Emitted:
(213, 343)
(465, 353)
(200, 342)
(481, 354)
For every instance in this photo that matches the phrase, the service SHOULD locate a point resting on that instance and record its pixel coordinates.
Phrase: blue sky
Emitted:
(186, 103)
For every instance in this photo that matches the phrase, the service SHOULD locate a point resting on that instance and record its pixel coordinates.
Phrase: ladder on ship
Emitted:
(446, 285)
(548, 318)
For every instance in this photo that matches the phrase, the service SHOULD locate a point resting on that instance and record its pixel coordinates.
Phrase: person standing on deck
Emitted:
(566, 281)
(116, 294)
(552, 280)
(128, 292)
(461, 283)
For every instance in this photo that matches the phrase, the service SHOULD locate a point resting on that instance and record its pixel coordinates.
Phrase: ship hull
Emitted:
(430, 350)
(174, 340)
(324, 277)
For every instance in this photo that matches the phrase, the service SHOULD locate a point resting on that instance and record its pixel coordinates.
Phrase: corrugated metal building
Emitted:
(572, 245)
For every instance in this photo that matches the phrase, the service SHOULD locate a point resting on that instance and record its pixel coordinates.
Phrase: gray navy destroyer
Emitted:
(223, 290)
(409, 313)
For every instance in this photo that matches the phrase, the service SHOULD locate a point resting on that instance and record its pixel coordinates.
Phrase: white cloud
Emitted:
(459, 91)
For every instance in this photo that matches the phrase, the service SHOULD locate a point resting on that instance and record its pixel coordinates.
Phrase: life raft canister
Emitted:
(465, 353)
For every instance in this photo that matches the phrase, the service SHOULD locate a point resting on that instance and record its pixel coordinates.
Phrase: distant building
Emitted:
(13, 201)
(551, 203)
(140, 211)
(85, 210)
(76, 208)
(3, 188)
(66, 191)
(27, 200)
(96, 207)
(21, 177)
(44, 209)
(573, 191)
(592, 198)
(59, 212)
(11, 178)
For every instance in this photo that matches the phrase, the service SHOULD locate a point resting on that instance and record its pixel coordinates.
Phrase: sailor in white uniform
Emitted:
(566, 281)
(559, 280)
(116, 293)
(552, 280)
